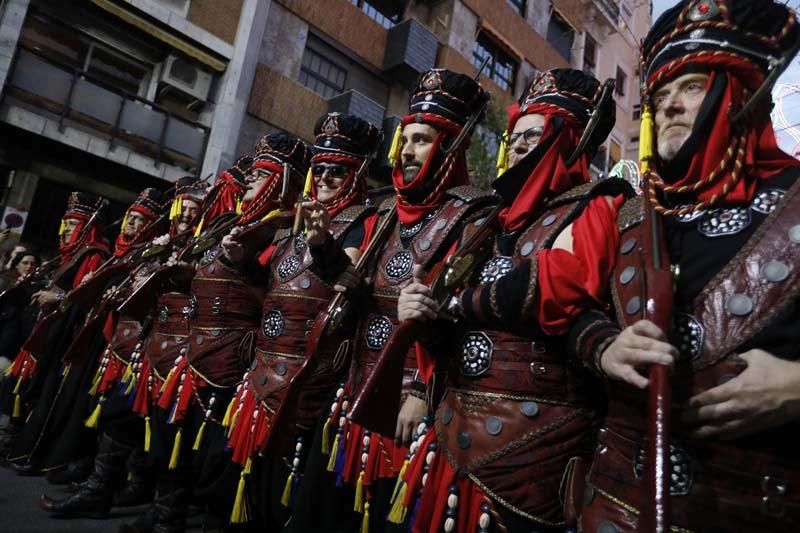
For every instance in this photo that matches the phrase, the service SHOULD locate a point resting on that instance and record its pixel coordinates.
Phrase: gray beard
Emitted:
(409, 174)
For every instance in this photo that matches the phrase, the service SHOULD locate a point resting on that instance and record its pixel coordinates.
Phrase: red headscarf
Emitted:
(267, 197)
(91, 237)
(451, 173)
(753, 146)
(351, 191)
(222, 198)
(124, 243)
(551, 176)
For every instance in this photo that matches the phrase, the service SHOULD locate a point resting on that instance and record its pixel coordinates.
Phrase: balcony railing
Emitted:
(73, 94)
(610, 9)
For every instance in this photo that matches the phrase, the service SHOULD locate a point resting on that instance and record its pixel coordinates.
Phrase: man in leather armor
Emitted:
(302, 270)
(727, 197)
(225, 308)
(515, 414)
(433, 201)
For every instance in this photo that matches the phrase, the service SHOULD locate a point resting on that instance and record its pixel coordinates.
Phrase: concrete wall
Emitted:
(284, 41)
(12, 16)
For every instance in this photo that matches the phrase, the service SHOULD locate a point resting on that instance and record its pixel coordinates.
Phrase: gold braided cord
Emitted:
(738, 163)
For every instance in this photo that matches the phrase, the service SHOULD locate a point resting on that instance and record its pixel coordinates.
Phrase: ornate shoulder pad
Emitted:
(352, 213)
(468, 193)
(387, 205)
(631, 213)
(604, 187)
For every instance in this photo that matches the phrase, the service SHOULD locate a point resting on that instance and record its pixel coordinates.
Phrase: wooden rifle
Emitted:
(658, 300)
(383, 386)
(325, 326)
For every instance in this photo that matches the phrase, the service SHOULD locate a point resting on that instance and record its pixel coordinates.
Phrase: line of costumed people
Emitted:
(285, 350)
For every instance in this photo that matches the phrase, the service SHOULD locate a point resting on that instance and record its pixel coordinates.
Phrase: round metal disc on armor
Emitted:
(199, 339)
(549, 219)
(724, 221)
(689, 335)
(476, 353)
(288, 266)
(794, 234)
(299, 243)
(399, 265)
(208, 256)
(526, 248)
(606, 526)
(463, 440)
(691, 215)
(411, 229)
(633, 305)
(212, 269)
(494, 426)
(458, 203)
(480, 221)
(739, 305)
(163, 345)
(253, 365)
(440, 224)
(627, 274)
(263, 380)
(280, 369)
(529, 409)
(628, 245)
(447, 415)
(215, 332)
(495, 268)
(305, 283)
(424, 245)
(273, 324)
(767, 200)
(775, 271)
(127, 332)
(378, 330)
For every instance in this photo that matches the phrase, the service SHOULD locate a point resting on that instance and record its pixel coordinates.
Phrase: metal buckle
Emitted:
(681, 469)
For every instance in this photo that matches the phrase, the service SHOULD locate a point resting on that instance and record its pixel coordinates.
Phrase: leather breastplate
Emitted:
(170, 331)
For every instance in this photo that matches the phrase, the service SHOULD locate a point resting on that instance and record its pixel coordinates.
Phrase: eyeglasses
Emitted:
(531, 136)
(334, 171)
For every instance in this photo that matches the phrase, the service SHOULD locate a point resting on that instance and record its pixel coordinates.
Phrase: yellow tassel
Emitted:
(334, 450)
(287, 490)
(129, 388)
(226, 421)
(91, 422)
(7, 372)
(62, 228)
(175, 208)
(326, 437)
(147, 434)
(199, 438)
(17, 407)
(365, 519)
(124, 222)
(307, 184)
(394, 150)
(239, 512)
(358, 504)
(128, 373)
(272, 214)
(502, 154)
(96, 382)
(238, 206)
(17, 385)
(176, 450)
(400, 482)
(199, 229)
(67, 368)
(397, 514)
(646, 139)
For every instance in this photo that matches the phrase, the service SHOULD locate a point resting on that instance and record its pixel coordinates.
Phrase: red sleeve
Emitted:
(266, 255)
(568, 283)
(90, 263)
(369, 228)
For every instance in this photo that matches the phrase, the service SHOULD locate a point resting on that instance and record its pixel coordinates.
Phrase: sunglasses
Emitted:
(531, 136)
(334, 171)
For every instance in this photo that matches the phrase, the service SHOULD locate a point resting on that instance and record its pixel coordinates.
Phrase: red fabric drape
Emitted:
(763, 158)
(123, 243)
(451, 173)
(351, 192)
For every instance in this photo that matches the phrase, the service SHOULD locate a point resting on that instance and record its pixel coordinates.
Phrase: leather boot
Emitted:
(144, 523)
(171, 503)
(93, 498)
(75, 471)
(138, 488)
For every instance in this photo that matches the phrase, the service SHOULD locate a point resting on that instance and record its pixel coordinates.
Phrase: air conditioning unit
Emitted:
(187, 77)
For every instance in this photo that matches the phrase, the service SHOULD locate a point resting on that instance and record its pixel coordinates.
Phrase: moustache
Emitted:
(407, 164)
(665, 127)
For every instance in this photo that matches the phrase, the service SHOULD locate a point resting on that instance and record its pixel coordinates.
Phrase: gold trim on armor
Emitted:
(632, 509)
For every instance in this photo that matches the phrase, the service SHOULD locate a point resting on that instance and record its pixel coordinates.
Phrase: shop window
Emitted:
(385, 12)
(321, 75)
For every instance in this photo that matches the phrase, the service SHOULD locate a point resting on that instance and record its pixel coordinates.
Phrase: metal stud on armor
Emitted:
(476, 353)
(495, 268)
(288, 266)
(681, 469)
(273, 324)
(767, 200)
(724, 221)
(689, 334)
(399, 265)
(378, 330)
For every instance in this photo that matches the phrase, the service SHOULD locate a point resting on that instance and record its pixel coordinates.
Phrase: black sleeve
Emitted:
(501, 300)
(589, 335)
(353, 236)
